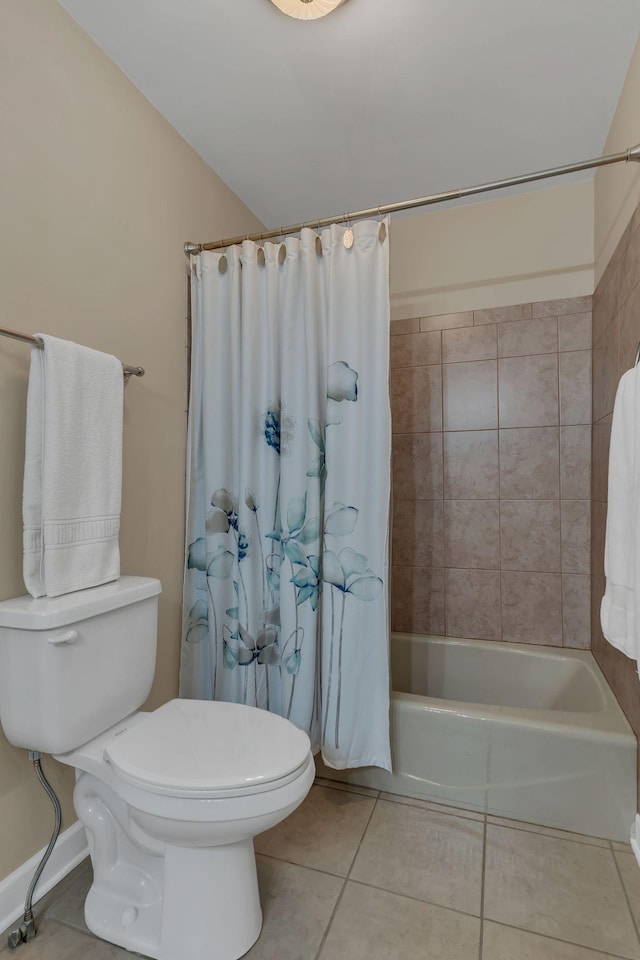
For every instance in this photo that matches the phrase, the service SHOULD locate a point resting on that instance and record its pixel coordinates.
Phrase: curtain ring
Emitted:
(347, 238)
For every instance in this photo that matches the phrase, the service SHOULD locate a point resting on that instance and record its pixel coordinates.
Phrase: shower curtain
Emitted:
(285, 590)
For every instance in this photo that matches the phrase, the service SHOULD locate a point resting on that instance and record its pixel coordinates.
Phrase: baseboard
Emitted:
(68, 852)
(635, 837)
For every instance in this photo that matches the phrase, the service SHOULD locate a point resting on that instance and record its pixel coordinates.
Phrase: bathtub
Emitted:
(525, 732)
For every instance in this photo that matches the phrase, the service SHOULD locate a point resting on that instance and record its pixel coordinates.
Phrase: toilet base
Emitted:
(209, 908)
(162, 900)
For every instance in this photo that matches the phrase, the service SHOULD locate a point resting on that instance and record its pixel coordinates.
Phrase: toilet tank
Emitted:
(73, 666)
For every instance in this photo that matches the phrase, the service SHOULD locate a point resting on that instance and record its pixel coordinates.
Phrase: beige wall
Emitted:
(617, 188)
(533, 247)
(97, 194)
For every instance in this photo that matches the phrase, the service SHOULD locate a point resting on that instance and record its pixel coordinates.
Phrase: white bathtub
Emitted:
(526, 732)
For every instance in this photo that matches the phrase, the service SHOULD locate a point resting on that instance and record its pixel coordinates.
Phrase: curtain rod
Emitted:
(633, 153)
(26, 338)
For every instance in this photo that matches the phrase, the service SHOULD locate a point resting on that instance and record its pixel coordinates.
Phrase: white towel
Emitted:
(619, 614)
(73, 469)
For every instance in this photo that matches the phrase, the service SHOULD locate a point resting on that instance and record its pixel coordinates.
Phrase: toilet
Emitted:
(170, 800)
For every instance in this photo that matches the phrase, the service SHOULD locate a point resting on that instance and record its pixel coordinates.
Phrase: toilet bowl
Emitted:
(170, 800)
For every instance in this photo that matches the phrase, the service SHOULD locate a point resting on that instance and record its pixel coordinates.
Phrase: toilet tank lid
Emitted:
(44, 613)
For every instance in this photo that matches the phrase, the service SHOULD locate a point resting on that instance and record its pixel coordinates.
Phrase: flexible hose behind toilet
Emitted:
(27, 929)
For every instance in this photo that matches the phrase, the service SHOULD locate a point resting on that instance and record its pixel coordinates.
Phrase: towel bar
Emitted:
(27, 338)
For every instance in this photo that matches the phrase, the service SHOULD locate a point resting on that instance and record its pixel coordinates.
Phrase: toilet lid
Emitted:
(196, 747)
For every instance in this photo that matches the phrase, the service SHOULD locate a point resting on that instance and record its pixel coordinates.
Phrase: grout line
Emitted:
(624, 890)
(303, 866)
(586, 842)
(364, 833)
(482, 887)
(570, 943)
(331, 919)
(458, 812)
(344, 886)
(407, 896)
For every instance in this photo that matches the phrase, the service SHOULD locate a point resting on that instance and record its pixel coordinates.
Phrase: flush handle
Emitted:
(69, 637)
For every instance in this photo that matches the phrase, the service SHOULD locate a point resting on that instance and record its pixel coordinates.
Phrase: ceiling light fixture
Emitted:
(307, 9)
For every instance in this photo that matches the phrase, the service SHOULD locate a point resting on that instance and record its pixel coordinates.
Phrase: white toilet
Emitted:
(170, 800)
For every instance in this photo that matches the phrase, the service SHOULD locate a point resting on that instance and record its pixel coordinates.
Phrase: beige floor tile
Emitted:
(506, 943)
(297, 905)
(375, 925)
(423, 854)
(323, 833)
(621, 847)
(69, 906)
(548, 831)
(557, 887)
(58, 942)
(630, 872)
(349, 787)
(431, 805)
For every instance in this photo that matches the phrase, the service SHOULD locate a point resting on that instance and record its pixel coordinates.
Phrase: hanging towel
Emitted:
(619, 613)
(73, 469)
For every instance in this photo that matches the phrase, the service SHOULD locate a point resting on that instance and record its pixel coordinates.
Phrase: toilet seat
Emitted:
(195, 749)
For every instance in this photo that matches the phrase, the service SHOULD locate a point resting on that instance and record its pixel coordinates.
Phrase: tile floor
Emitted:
(358, 875)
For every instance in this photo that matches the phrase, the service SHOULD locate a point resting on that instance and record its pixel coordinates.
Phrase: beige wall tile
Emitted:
(601, 436)
(415, 349)
(530, 535)
(528, 337)
(472, 603)
(472, 534)
(417, 466)
(471, 465)
(416, 399)
(575, 462)
(556, 308)
(528, 391)
(470, 396)
(574, 331)
(575, 387)
(418, 539)
(447, 320)
(521, 311)
(529, 463)
(400, 327)
(606, 306)
(417, 599)
(598, 527)
(576, 536)
(629, 266)
(532, 608)
(470, 343)
(629, 329)
(605, 371)
(576, 611)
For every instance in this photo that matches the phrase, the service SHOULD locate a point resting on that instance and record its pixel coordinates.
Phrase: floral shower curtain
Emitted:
(285, 591)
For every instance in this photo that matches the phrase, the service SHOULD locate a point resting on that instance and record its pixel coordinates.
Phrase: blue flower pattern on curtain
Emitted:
(347, 573)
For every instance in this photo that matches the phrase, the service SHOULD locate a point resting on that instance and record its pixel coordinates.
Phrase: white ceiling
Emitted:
(382, 100)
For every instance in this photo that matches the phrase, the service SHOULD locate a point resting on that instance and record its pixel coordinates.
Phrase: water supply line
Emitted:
(27, 929)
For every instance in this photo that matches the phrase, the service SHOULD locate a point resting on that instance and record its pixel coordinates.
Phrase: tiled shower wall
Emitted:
(491, 415)
(616, 332)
